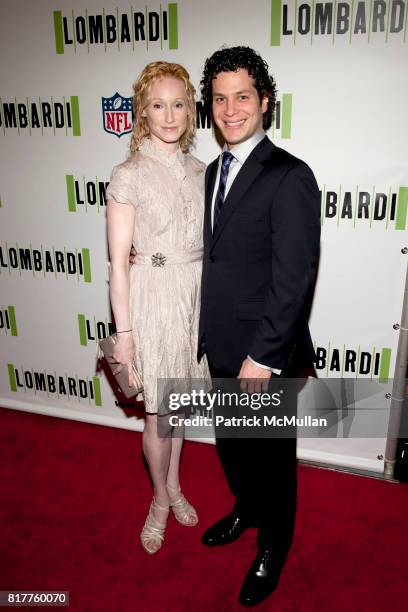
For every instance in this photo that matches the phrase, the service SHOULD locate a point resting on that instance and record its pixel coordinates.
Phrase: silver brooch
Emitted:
(158, 260)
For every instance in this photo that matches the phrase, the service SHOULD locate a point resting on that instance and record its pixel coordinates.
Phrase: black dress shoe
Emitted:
(227, 530)
(261, 579)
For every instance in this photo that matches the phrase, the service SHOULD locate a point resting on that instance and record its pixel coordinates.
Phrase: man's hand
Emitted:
(253, 378)
(132, 255)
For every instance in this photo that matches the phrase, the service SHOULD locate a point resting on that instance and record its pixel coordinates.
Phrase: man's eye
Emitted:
(243, 97)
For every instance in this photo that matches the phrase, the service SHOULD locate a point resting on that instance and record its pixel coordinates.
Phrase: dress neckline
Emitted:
(148, 147)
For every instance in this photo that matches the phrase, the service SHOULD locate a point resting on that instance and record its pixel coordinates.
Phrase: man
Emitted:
(261, 243)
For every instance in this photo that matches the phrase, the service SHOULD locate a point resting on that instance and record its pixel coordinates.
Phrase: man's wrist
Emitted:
(265, 367)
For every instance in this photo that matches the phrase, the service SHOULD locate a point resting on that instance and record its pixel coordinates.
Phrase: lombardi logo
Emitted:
(8, 321)
(53, 384)
(112, 28)
(356, 208)
(47, 261)
(93, 330)
(83, 193)
(46, 116)
(372, 20)
(358, 362)
(281, 126)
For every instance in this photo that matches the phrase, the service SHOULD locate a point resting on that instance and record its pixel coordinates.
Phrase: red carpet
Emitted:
(74, 498)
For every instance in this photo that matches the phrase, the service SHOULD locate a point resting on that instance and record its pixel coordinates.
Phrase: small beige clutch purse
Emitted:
(106, 345)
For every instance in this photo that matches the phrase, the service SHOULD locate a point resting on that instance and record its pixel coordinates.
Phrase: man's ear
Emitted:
(264, 104)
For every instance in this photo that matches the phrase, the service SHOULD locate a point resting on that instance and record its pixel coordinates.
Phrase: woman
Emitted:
(155, 201)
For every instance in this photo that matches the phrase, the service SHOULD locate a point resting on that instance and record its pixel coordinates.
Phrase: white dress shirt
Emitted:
(240, 152)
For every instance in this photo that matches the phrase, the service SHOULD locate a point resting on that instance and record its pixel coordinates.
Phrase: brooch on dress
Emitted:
(158, 260)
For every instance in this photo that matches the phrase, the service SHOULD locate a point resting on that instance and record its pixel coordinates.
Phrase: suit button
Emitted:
(212, 258)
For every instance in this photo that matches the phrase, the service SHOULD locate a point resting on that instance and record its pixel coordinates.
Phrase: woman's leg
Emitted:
(184, 512)
(173, 474)
(157, 451)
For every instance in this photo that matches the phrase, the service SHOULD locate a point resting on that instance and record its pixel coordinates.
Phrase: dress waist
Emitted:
(159, 259)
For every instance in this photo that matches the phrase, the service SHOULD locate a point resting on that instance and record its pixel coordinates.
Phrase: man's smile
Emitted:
(234, 124)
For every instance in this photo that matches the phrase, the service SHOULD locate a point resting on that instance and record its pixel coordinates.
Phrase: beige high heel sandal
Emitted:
(183, 511)
(152, 534)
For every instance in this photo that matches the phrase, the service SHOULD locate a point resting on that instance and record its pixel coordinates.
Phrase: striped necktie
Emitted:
(227, 158)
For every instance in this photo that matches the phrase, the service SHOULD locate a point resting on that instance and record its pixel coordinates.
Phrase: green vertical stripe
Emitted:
(59, 39)
(97, 391)
(323, 204)
(70, 192)
(161, 26)
(402, 208)
(12, 377)
(76, 124)
(286, 116)
(12, 319)
(385, 365)
(276, 12)
(173, 26)
(82, 330)
(147, 29)
(86, 261)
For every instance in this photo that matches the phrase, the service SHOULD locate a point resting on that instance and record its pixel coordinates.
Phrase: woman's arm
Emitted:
(120, 218)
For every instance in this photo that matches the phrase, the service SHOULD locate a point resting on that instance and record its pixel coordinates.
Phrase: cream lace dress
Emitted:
(166, 190)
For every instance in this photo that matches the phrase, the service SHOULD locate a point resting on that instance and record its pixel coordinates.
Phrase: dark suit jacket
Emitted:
(260, 265)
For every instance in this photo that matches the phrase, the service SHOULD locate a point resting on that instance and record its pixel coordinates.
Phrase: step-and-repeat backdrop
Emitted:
(65, 117)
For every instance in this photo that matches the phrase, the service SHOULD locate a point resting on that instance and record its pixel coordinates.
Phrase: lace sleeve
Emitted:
(122, 185)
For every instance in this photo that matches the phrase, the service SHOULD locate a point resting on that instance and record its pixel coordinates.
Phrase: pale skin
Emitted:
(238, 111)
(166, 111)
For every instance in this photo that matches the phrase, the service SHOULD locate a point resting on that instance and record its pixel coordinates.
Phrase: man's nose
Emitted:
(230, 107)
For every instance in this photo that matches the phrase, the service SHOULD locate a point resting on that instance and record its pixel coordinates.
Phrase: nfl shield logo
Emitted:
(117, 115)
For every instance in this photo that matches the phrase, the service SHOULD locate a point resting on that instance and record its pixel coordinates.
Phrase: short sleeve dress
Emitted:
(166, 190)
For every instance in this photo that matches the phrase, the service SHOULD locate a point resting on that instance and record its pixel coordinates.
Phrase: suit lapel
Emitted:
(249, 172)
(210, 177)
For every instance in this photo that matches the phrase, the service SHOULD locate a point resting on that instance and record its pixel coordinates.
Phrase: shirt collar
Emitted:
(244, 149)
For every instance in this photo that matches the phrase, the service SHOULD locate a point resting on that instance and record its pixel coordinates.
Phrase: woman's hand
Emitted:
(123, 354)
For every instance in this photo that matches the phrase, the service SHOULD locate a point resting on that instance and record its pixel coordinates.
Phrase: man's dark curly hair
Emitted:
(231, 60)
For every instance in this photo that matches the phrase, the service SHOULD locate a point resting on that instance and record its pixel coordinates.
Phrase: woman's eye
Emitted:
(156, 105)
